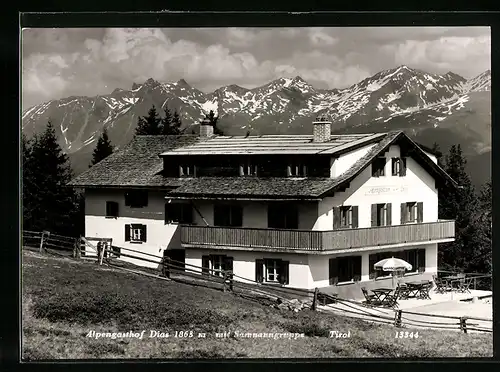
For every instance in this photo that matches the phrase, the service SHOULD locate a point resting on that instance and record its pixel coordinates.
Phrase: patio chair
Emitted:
(463, 285)
(424, 291)
(391, 300)
(404, 291)
(441, 285)
(370, 299)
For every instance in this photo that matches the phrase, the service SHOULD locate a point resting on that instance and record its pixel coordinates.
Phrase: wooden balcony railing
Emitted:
(307, 240)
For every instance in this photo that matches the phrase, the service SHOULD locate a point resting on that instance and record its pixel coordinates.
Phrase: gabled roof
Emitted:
(135, 165)
(274, 144)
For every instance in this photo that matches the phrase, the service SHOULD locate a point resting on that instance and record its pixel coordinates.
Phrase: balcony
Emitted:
(313, 241)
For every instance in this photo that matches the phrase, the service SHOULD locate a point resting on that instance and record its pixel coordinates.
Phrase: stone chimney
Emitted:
(206, 128)
(322, 129)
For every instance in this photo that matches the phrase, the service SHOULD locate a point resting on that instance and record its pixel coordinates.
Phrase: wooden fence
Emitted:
(104, 253)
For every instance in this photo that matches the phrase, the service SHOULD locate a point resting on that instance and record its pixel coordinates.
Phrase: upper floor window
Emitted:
(282, 216)
(248, 169)
(181, 213)
(111, 209)
(378, 167)
(228, 215)
(136, 198)
(399, 167)
(297, 170)
(348, 215)
(187, 170)
(411, 212)
(381, 214)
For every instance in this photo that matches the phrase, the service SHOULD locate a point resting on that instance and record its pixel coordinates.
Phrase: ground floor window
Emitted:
(272, 271)
(216, 264)
(415, 257)
(344, 269)
(135, 233)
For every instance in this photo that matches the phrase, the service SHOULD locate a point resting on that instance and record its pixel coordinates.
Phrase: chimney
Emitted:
(206, 128)
(322, 129)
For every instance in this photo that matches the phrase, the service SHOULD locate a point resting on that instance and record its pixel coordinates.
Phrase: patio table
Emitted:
(379, 292)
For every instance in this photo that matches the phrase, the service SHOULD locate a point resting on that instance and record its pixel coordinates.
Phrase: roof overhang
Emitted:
(240, 198)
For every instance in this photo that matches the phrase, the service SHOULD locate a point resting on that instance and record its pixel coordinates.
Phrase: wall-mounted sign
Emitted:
(386, 190)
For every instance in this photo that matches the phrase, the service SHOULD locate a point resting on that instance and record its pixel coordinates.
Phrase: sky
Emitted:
(58, 63)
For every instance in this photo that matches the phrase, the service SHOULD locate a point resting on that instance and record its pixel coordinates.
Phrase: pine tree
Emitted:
(213, 121)
(170, 123)
(53, 205)
(461, 205)
(482, 260)
(439, 155)
(103, 148)
(150, 124)
(28, 192)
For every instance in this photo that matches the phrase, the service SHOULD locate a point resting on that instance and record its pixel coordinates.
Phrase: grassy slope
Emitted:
(64, 299)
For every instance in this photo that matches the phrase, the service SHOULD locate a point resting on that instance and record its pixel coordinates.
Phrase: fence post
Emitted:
(224, 281)
(103, 252)
(397, 318)
(229, 278)
(474, 283)
(41, 242)
(463, 324)
(99, 252)
(165, 268)
(315, 299)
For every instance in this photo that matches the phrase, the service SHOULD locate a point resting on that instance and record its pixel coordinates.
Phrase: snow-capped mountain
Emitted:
(399, 98)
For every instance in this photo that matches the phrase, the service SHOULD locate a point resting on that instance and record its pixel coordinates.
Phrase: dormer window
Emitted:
(378, 167)
(248, 169)
(297, 170)
(187, 170)
(399, 167)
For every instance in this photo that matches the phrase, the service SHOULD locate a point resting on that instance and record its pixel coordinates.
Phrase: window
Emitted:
(297, 170)
(187, 170)
(282, 216)
(272, 271)
(216, 264)
(415, 257)
(344, 269)
(411, 212)
(136, 198)
(378, 167)
(381, 214)
(135, 233)
(399, 167)
(248, 169)
(228, 215)
(181, 213)
(111, 209)
(345, 217)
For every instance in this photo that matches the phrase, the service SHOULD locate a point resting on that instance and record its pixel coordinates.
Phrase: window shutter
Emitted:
(188, 214)
(167, 217)
(356, 262)
(283, 272)
(394, 166)
(355, 217)
(402, 171)
(205, 265)
(389, 214)
(374, 215)
(127, 199)
(421, 260)
(228, 263)
(372, 260)
(333, 271)
(259, 270)
(145, 199)
(336, 217)
(420, 212)
(127, 232)
(143, 233)
(403, 213)
(237, 216)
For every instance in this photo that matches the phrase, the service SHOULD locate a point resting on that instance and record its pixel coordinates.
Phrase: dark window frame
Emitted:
(233, 220)
(187, 170)
(383, 211)
(289, 214)
(178, 213)
(378, 166)
(346, 216)
(112, 206)
(136, 198)
(296, 170)
(280, 270)
(398, 167)
(132, 229)
(248, 169)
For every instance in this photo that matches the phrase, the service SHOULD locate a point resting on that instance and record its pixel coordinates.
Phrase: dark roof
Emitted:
(135, 165)
(254, 187)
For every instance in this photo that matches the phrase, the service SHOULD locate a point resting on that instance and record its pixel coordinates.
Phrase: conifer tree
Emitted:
(439, 155)
(170, 123)
(28, 192)
(149, 124)
(176, 123)
(213, 121)
(103, 148)
(461, 205)
(53, 205)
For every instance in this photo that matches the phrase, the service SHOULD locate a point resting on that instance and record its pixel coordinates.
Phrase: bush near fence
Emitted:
(264, 293)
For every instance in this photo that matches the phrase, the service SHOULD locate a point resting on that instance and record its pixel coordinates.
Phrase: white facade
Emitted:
(305, 270)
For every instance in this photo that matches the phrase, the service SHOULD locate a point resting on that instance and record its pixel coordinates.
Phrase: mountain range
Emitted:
(447, 109)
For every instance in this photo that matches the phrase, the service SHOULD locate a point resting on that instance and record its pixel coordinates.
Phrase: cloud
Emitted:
(62, 62)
